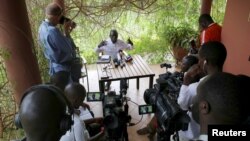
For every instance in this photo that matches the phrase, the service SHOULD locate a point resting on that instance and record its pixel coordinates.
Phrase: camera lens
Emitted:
(149, 96)
(62, 19)
(110, 121)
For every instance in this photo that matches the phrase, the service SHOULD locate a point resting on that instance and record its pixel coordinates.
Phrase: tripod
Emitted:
(121, 108)
(120, 133)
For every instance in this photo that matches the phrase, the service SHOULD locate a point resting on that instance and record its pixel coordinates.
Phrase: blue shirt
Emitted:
(58, 49)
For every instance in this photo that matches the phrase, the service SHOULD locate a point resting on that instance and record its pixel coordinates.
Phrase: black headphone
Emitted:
(66, 121)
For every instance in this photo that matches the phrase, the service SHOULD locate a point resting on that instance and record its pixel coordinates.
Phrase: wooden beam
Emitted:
(17, 43)
(206, 6)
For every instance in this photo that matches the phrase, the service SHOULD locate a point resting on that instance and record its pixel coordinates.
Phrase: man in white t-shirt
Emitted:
(76, 94)
(212, 56)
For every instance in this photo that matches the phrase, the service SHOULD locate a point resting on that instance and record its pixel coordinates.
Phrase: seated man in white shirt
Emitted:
(112, 46)
(76, 94)
(212, 56)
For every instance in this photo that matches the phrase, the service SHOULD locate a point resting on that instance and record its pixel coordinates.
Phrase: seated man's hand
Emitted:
(130, 42)
(102, 43)
(85, 105)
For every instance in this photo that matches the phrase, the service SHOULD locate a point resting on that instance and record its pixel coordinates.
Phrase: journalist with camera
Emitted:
(170, 117)
(58, 46)
(172, 83)
(115, 113)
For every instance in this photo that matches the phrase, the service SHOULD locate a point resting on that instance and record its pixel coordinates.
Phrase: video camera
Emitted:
(163, 98)
(115, 118)
(166, 65)
(115, 113)
(169, 83)
(64, 19)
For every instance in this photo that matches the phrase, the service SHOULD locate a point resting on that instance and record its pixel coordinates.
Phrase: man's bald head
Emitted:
(41, 113)
(75, 93)
(53, 9)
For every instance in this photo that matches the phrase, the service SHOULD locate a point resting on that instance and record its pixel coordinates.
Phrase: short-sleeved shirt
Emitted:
(211, 33)
(185, 100)
(78, 131)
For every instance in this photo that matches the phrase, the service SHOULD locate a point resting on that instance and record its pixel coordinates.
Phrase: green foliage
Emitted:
(153, 48)
(4, 54)
(179, 36)
(143, 27)
(36, 16)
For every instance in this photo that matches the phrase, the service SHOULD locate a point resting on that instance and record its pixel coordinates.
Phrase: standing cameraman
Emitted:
(58, 47)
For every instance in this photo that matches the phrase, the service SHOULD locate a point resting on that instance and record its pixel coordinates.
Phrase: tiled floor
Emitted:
(135, 95)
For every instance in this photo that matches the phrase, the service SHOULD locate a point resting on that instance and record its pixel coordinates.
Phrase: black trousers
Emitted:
(60, 79)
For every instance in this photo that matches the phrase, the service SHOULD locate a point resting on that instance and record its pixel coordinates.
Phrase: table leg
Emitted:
(87, 76)
(101, 86)
(151, 80)
(137, 83)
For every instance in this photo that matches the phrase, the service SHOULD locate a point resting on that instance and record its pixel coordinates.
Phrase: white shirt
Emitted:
(185, 100)
(203, 137)
(193, 130)
(78, 131)
(186, 95)
(112, 49)
(84, 114)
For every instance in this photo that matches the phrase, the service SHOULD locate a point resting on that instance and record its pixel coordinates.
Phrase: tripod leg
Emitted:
(163, 136)
(125, 133)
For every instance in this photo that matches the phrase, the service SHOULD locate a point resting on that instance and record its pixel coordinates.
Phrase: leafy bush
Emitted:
(152, 48)
(179, 36)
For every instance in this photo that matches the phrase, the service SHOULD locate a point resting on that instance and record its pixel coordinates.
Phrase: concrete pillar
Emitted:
(17, 44)
(206, 6)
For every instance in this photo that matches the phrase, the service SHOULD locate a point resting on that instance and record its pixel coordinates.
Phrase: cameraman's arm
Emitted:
(85, 105)
(188, 88)
(191, 75)
(186, 95)
(97, 137)
(94, 120)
